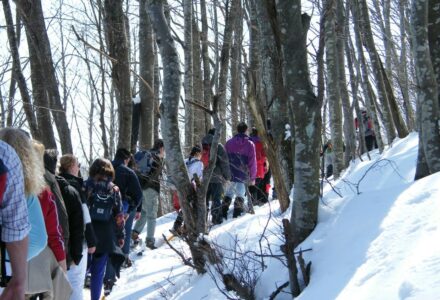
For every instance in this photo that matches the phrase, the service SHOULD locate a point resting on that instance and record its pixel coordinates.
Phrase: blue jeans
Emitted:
(237, 189)
(128, 229)
(97, 270)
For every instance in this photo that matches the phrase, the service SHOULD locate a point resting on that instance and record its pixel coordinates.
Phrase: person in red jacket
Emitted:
(258, 191)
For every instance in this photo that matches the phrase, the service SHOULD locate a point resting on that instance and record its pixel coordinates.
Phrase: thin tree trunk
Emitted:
(236, 67)
(188, 77)
(333, 89)
(198, 93)
(33, 19)
(207, 87)
(117, 43)
(146, 67)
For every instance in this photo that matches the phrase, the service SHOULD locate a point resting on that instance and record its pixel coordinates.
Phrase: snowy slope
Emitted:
(377, 238)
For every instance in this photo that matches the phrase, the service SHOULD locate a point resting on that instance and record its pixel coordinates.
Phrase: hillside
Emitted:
(382, 243)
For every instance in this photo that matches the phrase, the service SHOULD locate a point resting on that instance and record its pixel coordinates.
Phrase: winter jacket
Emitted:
(194, 166)
(63, 218)
(72, 199)
(242, 161)
(152, 180)
(37, 236)
(368, 125)
(53, 229)
(222, 170)
(78, 184)
(108, 233)
(128, 183)
(260, 156)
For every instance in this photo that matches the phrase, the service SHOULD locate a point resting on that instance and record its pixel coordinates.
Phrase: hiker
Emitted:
(194, 167)
(329, 157)
(33, 185)
(14, 219)
(258, 191)
(243, 165)
(370, 135)
(46, 271)
(84, 237)
(149, 169)
(220, 175)
(106, 211)
(131, 192)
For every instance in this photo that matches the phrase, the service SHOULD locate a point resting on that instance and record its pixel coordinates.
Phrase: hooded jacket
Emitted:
(242, 161)
(260, 156)
(221, 171)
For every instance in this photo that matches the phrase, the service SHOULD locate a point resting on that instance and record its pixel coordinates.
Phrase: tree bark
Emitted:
(207, 87)
(427, 89)
(307, 114)
(146, 68)
(33, 19)
(117, 43)
(236, 67)
(198, 93)
(188, 77)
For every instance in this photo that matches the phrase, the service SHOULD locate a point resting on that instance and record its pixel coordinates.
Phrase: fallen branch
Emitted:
(278, 290)
(186, 261)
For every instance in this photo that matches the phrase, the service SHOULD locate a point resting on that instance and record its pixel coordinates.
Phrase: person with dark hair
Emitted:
(243, 165)
(220, 175)
(329, 157)
(258, 191)
(129, 186)
(194, 167)
(370, 135)
(149, 169)
(106, 211)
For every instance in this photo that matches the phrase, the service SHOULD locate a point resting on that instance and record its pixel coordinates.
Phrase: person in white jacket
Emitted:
(194, 166)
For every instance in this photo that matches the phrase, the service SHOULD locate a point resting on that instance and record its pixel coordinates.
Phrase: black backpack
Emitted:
(101, 206)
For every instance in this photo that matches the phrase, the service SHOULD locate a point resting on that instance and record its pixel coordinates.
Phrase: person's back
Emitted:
(222, 171)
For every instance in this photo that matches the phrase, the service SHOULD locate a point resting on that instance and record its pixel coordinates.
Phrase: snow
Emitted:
(378, 241)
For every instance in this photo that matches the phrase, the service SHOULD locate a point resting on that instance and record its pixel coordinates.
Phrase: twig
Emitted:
(186, 261)
(278, 290)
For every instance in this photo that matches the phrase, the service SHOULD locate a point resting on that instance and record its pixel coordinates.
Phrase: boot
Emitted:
(225, 206)
(238, 207)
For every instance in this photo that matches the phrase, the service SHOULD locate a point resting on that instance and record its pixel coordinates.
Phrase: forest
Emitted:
(90, 76)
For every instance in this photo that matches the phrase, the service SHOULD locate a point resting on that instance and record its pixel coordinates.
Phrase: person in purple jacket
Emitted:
(243, 165)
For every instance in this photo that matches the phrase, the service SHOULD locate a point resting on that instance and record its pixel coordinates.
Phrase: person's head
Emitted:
(102, 170)
(254, 131)
(211, 131)
(242, 127)
(363, 111)
(33, 170)
(69, 164)
(50, 160)
(159, 147)
(196, 152)
(329, 144)
(123, 155)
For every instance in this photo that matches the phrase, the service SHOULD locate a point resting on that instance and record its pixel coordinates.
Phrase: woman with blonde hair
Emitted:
(33, 185)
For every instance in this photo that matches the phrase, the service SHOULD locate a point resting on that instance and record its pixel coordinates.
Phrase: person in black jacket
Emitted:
(131, 193)
(69, 171)
(150, 184)
(109, 228)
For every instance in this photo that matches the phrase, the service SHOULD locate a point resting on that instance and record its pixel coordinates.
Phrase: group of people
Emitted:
(60, 231)
(241, 169)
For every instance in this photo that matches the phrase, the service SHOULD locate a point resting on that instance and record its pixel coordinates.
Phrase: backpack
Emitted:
(205, 154)
(144, 161)
(101, 206)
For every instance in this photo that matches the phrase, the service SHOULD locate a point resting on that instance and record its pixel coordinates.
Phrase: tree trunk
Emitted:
(333, 89)
(427, 88)
(198, 93)
(207, 87)
(348, 125)
(170, 129)
(307, 114)
(117, 43)
(33, 19)
(18, 77)
(236, 67)
(272, 91)
(361, 17)
(188, 78)
(146, 68)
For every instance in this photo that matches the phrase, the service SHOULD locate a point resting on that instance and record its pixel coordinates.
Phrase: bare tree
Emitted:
(188, 77)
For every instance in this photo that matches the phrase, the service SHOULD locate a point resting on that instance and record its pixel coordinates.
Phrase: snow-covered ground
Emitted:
(378, 237)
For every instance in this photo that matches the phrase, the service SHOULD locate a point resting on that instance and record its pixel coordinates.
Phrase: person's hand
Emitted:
(252, 183)
(91, 250)
(137, 216)
(14, 290)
